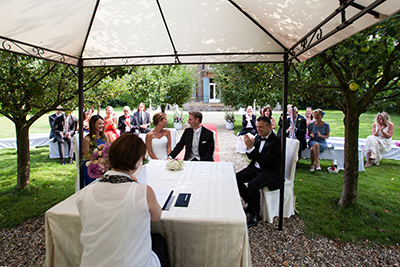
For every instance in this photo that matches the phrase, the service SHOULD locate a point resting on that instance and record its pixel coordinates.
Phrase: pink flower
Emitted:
(94, 171)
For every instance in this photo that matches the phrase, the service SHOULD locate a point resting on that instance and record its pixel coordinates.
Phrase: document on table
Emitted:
(163, 197)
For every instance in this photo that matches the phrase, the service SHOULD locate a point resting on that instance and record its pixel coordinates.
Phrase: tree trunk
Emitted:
(163, 108)
(23, 156)
(350, 176)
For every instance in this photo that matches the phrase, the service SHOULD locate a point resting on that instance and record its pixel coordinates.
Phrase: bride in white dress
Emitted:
(158, 140)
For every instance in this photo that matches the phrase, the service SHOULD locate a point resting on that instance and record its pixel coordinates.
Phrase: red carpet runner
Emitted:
(210, 127)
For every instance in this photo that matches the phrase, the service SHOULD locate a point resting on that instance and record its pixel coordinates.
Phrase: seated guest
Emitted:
(267, 112)
(318, 131)
(109, 124)
(296, 128)
(116, 213)
(86, 119)
(197, 140)
(87, 114)
(263, 170)
(95, 139)
(143, 118)
(158, 140)
(381, 139)
(128, 123)
(248, 122)
(52, 118)
(309, 118)
(64, 131)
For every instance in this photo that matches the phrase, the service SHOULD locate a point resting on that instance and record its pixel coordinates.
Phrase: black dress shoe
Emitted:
(254, 219)
(246, 210)
(63, 162)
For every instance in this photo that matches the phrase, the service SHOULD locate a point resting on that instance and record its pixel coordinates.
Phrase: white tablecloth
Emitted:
(212, 231)
(35, 140)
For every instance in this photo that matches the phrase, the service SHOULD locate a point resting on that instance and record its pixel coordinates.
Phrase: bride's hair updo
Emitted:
(158, 117)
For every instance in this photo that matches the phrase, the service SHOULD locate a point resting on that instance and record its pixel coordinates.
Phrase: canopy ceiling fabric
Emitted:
(145, 32)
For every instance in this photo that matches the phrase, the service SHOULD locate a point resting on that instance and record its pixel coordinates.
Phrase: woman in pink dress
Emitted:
(109, 124)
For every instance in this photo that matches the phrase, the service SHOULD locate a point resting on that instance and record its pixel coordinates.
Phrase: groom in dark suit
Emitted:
(264, 169)
(199, 141)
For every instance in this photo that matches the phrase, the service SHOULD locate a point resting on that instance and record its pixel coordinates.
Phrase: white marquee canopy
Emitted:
(143, 32)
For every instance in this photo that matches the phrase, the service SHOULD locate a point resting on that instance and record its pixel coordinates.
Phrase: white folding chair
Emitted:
(270, 199)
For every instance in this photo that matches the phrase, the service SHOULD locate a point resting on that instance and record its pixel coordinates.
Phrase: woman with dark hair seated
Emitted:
(116, 213)
(267, 112)
(95, 139)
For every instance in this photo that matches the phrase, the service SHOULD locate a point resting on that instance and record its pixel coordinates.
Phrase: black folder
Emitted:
(183, 200)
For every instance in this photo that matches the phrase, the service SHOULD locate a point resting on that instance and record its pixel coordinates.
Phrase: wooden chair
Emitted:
(270, 199)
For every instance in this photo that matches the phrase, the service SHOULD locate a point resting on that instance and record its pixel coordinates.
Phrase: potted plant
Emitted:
(178, 118)
(229, 119)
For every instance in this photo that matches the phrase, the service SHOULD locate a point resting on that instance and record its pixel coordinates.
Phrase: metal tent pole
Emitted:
(80, 86)
(283, 143)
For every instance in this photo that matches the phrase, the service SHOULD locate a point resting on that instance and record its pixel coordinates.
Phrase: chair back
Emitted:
(292, 148)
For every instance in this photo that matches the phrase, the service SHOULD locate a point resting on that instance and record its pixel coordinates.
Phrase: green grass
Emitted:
(375, 219)
(50, 183)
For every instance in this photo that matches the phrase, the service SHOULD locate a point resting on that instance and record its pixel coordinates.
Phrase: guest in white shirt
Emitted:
(116, 212)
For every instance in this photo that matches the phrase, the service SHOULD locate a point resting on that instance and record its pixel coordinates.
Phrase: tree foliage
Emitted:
(240, 84)
(171, 84)
(30, 88)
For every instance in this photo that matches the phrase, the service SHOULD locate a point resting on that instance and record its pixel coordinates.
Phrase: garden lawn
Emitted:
(50, 183)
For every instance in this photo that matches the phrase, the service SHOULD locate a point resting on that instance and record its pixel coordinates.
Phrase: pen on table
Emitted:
(186, 198)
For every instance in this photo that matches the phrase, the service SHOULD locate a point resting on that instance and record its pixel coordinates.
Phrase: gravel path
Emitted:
(25, 245)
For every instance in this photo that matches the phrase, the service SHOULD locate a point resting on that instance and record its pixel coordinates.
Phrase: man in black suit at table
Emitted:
(64, 131)
(127, 123)
(52, 118)
(264, 169)
(199, 141)
(143, 118)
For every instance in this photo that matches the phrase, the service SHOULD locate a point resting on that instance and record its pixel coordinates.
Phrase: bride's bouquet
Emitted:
(175, 164)
(98, 163)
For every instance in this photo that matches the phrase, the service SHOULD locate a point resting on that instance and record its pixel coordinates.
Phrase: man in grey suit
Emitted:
(143, 118)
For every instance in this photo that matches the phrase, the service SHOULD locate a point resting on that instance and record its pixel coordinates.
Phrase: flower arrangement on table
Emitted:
(98, 163)
(178, 116)
(175, 164)
(229, 115)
